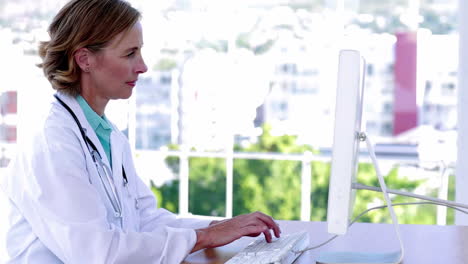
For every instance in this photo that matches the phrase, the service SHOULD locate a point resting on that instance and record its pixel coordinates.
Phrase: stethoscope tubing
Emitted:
(108, 183)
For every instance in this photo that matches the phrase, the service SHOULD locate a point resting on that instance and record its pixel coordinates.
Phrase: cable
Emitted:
(359, 186)
(383, 186)
(375, 208)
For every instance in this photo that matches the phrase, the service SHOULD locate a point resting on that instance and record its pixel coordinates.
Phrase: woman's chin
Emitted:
(126, 94)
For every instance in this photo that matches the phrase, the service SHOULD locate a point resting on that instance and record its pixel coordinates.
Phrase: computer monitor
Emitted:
(345, 151)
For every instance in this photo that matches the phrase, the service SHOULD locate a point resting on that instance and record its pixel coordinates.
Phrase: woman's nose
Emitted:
(141, 67)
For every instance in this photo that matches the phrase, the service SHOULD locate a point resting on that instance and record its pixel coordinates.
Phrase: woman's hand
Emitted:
(220, 233)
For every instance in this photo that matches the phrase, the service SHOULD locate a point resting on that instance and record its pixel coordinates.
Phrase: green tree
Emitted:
(272, 187)
(319, 199)
(207, 186)
(407, 214)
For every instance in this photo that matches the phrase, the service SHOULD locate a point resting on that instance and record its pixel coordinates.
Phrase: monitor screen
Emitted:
(345, 151)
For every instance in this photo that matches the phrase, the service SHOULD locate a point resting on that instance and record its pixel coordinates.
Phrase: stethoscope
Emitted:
(102, 169)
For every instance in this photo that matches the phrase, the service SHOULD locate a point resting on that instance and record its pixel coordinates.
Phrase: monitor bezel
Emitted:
(345, 150)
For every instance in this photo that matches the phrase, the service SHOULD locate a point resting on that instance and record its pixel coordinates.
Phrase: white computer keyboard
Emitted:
(283, 250)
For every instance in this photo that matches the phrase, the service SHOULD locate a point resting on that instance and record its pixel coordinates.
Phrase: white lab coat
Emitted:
(60, 213)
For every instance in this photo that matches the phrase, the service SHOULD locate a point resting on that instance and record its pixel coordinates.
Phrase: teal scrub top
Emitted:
(100, 125)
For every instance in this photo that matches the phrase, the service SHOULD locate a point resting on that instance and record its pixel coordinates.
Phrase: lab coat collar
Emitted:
(75, 107)
(117, 151)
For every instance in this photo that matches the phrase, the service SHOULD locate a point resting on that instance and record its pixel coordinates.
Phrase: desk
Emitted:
(423, 243)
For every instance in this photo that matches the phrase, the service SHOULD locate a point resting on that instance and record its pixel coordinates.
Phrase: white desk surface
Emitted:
(422, 243)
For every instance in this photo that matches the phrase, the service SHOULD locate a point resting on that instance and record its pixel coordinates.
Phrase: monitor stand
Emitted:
(369, 257)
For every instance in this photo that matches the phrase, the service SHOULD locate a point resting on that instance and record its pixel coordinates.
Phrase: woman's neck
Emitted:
(96, 102)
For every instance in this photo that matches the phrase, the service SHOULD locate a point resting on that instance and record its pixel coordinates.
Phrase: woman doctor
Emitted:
(73, 189)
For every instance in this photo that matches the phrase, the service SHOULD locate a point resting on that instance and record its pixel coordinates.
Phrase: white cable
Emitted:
(370, 148)
(360, 186)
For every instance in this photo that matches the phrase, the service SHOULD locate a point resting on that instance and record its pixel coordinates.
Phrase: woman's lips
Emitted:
(132, 83)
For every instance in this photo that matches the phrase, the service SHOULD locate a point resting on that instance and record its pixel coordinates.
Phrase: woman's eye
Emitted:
(131, 54)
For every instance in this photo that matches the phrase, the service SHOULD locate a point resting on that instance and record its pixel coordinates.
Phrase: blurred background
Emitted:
(236, 111)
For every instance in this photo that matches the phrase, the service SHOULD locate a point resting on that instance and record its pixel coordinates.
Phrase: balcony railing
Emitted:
(306, 160)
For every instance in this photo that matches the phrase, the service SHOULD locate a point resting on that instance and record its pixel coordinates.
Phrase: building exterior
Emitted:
(405, 71)
(438, 91)
(8, 112)
(8, 117)
(153, 110)
(188, 106)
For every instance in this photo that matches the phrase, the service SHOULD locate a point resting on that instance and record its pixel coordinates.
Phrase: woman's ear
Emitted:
(82, 58)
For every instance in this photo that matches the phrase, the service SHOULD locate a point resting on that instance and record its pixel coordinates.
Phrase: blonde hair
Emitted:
(90, 24)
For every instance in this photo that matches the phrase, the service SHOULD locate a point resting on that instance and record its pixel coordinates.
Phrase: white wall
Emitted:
(462, 153)
(3, 223)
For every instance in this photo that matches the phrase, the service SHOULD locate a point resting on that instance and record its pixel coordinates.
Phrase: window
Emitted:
(250, 72)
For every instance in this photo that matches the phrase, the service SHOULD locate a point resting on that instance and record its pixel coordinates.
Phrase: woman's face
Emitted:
(116, 68)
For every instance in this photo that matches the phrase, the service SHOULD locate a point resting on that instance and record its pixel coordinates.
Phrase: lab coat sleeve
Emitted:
(50, 187)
